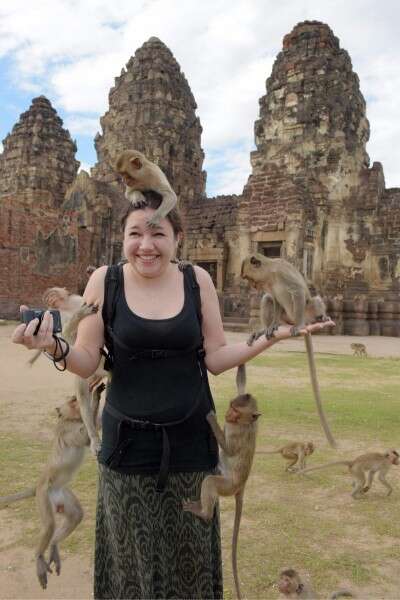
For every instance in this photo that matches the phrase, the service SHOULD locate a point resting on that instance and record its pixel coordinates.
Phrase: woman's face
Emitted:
(148, 249)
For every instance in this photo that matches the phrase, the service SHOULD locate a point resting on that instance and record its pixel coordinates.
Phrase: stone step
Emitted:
(236, 326)
(235, 319)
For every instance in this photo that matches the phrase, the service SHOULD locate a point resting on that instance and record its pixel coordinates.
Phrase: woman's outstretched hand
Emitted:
(25, 334)
(284, 332)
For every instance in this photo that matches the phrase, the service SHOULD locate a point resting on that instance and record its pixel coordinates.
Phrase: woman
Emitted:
(156, 444)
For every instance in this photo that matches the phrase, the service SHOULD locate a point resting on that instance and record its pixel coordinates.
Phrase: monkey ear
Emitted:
(255, 262)
(136, 163)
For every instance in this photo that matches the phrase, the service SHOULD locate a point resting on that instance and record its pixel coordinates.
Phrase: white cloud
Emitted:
(71, 50)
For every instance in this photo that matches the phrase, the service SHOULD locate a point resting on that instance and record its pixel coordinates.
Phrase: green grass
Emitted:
(310, 523)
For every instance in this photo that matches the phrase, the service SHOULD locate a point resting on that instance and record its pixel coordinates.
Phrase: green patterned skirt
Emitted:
(147, 546)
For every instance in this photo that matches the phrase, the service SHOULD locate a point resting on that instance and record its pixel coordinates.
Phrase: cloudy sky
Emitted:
(71, 50)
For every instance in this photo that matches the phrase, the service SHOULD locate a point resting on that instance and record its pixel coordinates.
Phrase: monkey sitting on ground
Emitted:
(359, 349)
(287, 300)
(295, 453)
(291, 585)
(52, 494)
(73, 310)
(237, 446)
(366, 464)
(140, 174)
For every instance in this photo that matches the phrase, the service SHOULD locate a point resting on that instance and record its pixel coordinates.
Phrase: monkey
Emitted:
(51, 491)
(359, 349)
(139, 175)
(295, 453)
(291, 585)
(237, 446)
(288, 299)
(74, 310)
(366, 464)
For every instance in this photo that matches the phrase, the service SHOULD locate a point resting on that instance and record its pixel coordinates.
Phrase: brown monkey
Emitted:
(366, 464)
(288, 299)
(291, 585)
(73, 310)
(295, 453)
(359, 349)
(140, 174)
(52, 494)
(237, 445)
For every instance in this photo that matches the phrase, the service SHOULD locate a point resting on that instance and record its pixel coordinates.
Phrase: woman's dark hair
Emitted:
(153, 200)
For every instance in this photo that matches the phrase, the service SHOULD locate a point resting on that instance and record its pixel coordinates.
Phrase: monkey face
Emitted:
(252, 270)
(55, 297)
(70, 410)
(149, 249)
(286, 585)
(394, 457)
(242, 410)
(309, 448)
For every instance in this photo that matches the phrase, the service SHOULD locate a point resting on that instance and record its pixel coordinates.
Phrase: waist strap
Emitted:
(115, 457)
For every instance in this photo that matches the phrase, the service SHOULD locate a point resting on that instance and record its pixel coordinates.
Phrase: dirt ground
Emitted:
(35, 390)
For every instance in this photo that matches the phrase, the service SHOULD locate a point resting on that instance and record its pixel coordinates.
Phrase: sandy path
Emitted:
(26, 397)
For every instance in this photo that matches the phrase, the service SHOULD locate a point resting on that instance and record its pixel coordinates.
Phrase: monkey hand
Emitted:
(25, 334)
(211, 416)
(95, 446)
(135, 197)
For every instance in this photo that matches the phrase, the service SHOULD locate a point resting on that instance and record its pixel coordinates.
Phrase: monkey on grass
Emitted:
(237, 444)
(359, 350)
(294, 452)
(140, 174)
(291, 585)
(53, 496)
(366, 465)
(287, 299)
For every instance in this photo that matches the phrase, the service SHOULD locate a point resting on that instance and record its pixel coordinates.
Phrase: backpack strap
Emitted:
(188, 270)
(112, 288)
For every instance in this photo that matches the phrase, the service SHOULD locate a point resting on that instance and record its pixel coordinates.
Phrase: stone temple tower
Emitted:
(37, 248)
(39, 155)
(310, 170)
(152, 109)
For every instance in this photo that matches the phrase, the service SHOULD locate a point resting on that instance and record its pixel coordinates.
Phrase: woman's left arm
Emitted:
(221, 356)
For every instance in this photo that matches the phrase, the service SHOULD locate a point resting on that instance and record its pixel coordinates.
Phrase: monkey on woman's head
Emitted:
(139, 175)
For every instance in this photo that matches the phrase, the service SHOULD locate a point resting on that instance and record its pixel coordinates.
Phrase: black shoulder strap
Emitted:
(112, 289)
(188, 269)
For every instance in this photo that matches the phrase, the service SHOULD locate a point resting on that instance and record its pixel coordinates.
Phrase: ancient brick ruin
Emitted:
(311, 197)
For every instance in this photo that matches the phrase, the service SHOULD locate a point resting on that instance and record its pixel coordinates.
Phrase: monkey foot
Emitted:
(42, 568)
(193, 507)
(270, 332)
(294, 331)
(55, 558)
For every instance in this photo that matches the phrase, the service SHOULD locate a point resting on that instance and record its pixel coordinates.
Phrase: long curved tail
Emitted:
(317, 395)
(235, 539)
(34, 358)
(241, 379)
(347, 463)
(341, 594)
(6, 500)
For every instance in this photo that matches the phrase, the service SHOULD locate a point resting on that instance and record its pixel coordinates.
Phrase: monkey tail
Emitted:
(235, 538)
(314, 381)
(347, 463)
(34, 358)
(6, 500)
(341, 594)
(241, 379)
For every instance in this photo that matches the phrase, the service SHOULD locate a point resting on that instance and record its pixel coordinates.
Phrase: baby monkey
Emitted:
(359, 350)
(295, 453)
(363, 469)
(237, 444)
(140, 175)
(291, 585)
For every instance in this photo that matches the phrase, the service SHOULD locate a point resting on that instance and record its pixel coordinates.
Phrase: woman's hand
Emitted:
(284, 331)
(42, 340)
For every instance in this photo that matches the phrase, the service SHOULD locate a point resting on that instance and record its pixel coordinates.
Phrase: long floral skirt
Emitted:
(147, 546)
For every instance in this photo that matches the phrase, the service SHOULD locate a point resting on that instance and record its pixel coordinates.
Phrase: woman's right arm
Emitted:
(84, 356)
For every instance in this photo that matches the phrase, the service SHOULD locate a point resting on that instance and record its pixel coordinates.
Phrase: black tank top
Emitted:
(159, 390)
